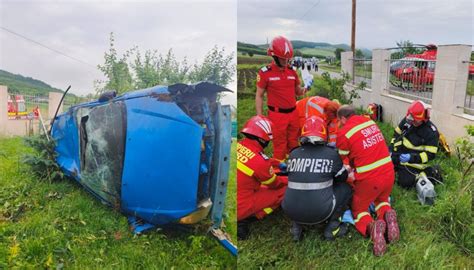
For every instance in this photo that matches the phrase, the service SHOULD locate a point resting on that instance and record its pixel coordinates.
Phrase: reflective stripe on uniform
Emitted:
(424, 157)
(268, 210)
(360, 216)
(343, 152)
(374, 165)
(381, 204)
(244, 169)
(309, 186)
(314, 105)
(341, 171)
(415, 165)
(270, 180)
(429, 148)
(398, 130)
(359, 127)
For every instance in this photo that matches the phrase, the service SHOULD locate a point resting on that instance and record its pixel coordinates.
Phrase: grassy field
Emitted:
(318, 51)
(435, 237)
(331, 68)
(60, 225)
(427, 240)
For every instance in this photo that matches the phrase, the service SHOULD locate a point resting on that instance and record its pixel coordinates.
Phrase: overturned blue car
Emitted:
(159, 155)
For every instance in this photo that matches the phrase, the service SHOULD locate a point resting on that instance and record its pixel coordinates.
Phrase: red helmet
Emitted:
(280, 47)
(419, 111)
(259, 126)
(314, 130)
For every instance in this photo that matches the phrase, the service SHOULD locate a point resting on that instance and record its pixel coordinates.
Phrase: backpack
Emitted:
(444, 144)
(375, 112)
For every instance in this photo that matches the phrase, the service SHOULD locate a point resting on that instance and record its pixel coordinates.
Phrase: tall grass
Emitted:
(434, 237)
(59, 225)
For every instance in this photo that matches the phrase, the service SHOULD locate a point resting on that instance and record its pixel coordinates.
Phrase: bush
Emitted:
(455, 212)
(43, 161)
(333, 88)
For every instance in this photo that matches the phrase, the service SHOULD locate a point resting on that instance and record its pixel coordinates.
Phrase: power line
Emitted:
(49, 48)
(307, 11)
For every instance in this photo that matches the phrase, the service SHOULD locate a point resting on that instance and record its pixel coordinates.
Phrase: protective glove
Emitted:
(405, 158)
(347, 217)
(283, 168)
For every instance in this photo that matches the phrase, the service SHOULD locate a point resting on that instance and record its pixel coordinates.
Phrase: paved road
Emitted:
(331, 73)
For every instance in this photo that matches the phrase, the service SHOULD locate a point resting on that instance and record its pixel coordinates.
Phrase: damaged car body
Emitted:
(159, 155)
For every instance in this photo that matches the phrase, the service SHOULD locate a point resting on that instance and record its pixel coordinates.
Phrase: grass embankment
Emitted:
(330, 68)
(319, 51)
(441, 236)
(55, 225)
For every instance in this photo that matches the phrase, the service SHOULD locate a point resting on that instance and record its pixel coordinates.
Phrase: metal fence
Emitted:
(411, 76)
(27, 106)
(469, 100)
(362, 71)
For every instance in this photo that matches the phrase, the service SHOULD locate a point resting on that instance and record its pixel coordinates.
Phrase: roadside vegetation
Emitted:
(47, 221)
(432, 237)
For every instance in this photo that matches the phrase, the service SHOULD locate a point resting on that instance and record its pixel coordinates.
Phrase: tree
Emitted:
(217, 68)
(116, 71)
(151, 69)
(405, 47)
(359, 54)
(338, 52)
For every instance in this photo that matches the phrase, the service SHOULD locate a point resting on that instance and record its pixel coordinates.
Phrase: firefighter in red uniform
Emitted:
(362, 142)
(282, 85)
(320, 107)
(259, 189)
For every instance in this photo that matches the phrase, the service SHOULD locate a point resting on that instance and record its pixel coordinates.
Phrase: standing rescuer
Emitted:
(259, 189)
(316, 183)
(415, 142)
(282, 85)
(362, 142)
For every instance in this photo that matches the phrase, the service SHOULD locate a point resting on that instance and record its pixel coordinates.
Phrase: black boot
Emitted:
(335, 229)
(243, 228)
(297, 231)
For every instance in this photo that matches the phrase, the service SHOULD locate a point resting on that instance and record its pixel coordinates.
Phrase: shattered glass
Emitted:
(102, 131)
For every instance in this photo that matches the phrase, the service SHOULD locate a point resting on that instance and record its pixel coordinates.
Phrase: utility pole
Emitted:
(353, 38)
(353, 26)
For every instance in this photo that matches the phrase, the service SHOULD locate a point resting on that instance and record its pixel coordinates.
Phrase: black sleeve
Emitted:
(339, 171)
(432, 141)
(397, 134)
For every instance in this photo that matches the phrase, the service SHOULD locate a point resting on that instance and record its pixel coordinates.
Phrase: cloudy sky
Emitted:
(379, 23)
(81, 30)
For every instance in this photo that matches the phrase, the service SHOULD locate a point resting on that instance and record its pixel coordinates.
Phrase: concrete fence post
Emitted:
(380, 73)
(3, 109)
(450, 80)
(54, 99)
(347, 62)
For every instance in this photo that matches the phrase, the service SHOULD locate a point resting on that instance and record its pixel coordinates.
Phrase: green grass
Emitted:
(331, 68)
(318, 51)
(55, 225)
(431, 237)
(362, 70)
(256, 59)
(470, 87)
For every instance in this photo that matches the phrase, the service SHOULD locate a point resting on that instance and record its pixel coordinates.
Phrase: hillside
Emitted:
(25, 85)
(306, 48)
